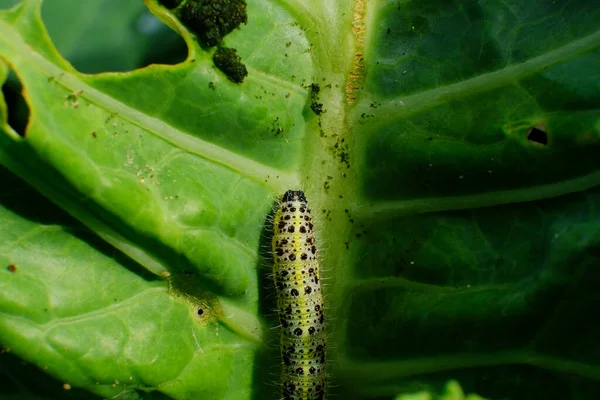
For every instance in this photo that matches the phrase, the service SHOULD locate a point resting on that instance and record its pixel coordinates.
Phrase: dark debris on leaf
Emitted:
(230, 64)
(315, 106)
(211, 20)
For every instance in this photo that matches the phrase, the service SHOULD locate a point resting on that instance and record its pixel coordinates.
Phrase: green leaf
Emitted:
(449, 149)
(453, 392)
(89, 315)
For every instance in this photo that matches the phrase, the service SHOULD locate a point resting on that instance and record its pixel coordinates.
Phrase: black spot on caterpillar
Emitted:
(299, 300)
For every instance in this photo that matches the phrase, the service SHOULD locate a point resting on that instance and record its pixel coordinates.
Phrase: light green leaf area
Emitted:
(453, 392)
(90, 316)
(453, 177)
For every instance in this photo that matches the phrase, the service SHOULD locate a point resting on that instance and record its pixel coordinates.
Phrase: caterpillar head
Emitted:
(294, 195)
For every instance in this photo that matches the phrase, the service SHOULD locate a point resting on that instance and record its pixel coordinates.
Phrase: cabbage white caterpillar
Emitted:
(299, 300)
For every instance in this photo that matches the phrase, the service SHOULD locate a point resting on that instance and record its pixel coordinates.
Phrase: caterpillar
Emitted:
(299, 301)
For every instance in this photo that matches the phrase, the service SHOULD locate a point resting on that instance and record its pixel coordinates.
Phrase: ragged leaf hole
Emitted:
(538, 135)
(18, 111)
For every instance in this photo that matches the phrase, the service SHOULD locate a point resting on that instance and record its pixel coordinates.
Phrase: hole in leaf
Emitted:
(165, 46)
(170, 4)
(116, 36)
(16, 106)
(538, 135)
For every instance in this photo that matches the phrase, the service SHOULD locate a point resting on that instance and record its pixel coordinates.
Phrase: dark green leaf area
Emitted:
(230, 64)
(502, 245)
(211, 20)
(470, 322)
(514, 382)
(495, 286)
(20, 380)
(421, 45)
(570, 86)
(480, 143)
